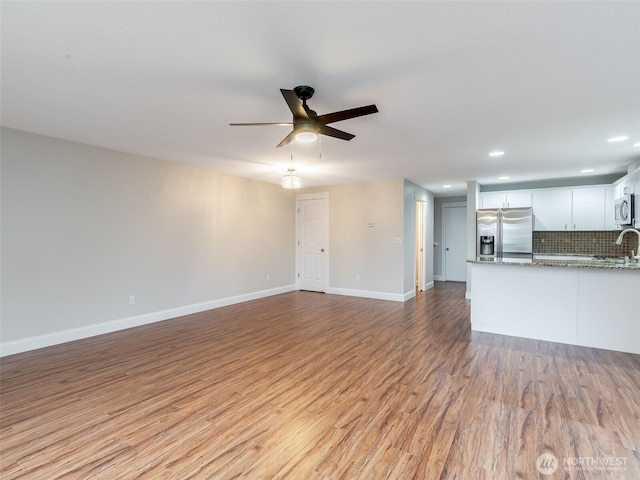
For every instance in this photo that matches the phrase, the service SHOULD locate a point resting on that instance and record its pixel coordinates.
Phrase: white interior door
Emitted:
(312, 241)
(455, 243)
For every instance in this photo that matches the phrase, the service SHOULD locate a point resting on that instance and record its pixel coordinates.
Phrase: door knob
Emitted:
(322, 249)
(447, 249)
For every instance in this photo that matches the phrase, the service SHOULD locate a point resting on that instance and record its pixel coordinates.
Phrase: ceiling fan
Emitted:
(306, 123)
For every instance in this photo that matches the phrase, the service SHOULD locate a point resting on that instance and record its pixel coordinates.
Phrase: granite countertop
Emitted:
(566, 261)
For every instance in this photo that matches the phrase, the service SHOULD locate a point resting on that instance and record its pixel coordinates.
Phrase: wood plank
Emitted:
(326, 387)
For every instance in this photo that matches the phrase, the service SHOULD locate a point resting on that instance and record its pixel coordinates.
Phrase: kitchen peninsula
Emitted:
(589, 302)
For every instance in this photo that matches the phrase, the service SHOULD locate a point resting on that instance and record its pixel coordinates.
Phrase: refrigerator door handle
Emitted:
(499, 236)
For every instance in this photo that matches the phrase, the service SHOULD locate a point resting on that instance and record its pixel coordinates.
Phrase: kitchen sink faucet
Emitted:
(619, 242)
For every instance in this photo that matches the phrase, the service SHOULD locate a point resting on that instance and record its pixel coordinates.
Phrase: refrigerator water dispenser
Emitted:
(487, 245)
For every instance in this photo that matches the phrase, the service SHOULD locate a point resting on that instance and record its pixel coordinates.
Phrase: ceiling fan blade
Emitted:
(290, 124)
(334, 132)
(294, 104)
(287, 140)
(346, 114)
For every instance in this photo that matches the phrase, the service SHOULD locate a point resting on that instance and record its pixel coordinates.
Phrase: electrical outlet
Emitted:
(132, 299)
(268, 277)
(357, 278)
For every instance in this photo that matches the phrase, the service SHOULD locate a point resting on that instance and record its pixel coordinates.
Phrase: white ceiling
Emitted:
(546, 82)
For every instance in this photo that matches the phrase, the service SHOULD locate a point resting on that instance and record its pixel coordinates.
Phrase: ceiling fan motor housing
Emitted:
(304, 92)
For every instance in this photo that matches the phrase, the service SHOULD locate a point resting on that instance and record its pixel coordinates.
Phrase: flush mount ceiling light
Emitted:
(587, 170)
(621, 138)
(447, 187)
(496, 153)
(291, 180)
(504, 177)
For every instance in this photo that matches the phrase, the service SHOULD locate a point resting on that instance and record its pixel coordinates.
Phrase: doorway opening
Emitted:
(420, 245)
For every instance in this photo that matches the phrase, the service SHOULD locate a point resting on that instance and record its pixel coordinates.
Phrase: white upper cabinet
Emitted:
(627, 185)
(589, 208)
(494, 199)
(583, 208)
(609, 213)
(552, 209)
(512, 199)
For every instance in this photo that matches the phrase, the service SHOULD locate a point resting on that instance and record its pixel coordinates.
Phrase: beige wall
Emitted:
(385, 269)
(355, 248)
(83, 228)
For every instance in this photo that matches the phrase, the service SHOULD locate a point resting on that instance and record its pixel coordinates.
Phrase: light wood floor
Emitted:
(311, 386)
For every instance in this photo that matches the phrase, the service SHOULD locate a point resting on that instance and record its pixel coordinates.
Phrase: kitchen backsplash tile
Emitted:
(597, 243)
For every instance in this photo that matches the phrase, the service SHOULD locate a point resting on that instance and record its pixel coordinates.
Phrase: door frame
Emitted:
(443, 255)
(298, 266)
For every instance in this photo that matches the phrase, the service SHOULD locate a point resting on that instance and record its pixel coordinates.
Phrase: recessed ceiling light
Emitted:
(587, 170)
(447, 187)
(504, 177)
(621, 138)
(496, 153)
(636, 144)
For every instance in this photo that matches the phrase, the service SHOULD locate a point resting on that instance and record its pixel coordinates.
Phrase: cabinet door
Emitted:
(552, 209)
(519, 199)
(494, 200)
(513, 199)
(589, 208)
(609, 214)
(624, 187)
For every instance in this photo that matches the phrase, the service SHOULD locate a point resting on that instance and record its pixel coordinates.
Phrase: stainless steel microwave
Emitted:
(624, 212)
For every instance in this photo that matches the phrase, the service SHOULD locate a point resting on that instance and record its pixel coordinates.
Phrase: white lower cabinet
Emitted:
(579, 306)
(601, 323)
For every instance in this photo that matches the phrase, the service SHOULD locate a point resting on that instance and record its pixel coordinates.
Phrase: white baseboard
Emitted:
(395, 297)
(467, 295)
(55, 338)
(408, 295)
(429, 285)
(439, 278)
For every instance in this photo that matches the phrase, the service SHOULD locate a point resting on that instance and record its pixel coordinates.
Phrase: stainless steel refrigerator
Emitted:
(504, 232)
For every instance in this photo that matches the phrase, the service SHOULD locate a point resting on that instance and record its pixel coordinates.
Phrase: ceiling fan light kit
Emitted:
(306, 136)
(306, 132)
(307, 124)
